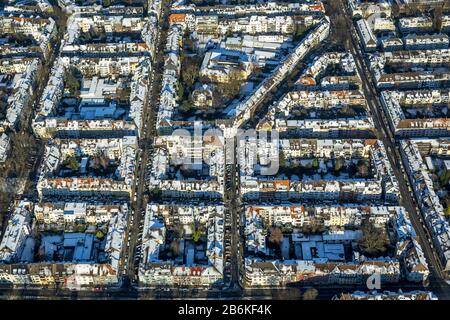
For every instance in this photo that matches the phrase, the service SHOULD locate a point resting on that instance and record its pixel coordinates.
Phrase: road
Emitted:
(34, 153)
(386, 136)
(325, 292)
(233, 252)
(148, 132)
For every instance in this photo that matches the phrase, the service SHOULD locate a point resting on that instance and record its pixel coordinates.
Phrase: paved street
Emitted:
(385, 135)
(34, 155)
(234, 259)
(147, 133)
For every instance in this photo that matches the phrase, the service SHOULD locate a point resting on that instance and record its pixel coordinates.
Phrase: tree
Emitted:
(447, 212)
(72, 83)
(180, 90)
(175, 248)
(189, 70)
(310, 294)
(198, 232)
(313, 227)
(3, 108)
(315, 164)
(22, 39)
(340, 33)
(339, 163)
(374, 241)
(187, 107)
(188, 43)
(60, 17)
(437, 18)
(123, 94)
(71, 163)
(317, 226)
(300, 29)
(362, 169)
(100, 161)
(444, 177)
(282, 159)
(275, 236)
(413, 8)
(178, 231)
(395, 10)
(80, 227)
(233, 86)
(155, 194)
(347, 111)
(224, 91)
(333, 5)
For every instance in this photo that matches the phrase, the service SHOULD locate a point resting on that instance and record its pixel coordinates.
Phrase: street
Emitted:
(140, 199)
(386, 136)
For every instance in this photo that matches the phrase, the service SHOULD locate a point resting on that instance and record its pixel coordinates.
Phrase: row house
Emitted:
(427, 199)
(246, 108)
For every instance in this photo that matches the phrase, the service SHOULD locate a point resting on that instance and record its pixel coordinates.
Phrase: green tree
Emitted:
(80, 227)
(180, 90)
(338, 164)
(198, 232)
(315, 164)
(444, 177)
(299, 30)
(71, 163)
(447, 212)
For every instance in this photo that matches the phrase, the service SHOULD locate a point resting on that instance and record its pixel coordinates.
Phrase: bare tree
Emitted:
(374, 241)
(275, 235)
(437, 18)
(175, 248)
(101, 160)
(310, 294)
(340, 32)
(413, 8)
(362, 169)
(395, 10)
